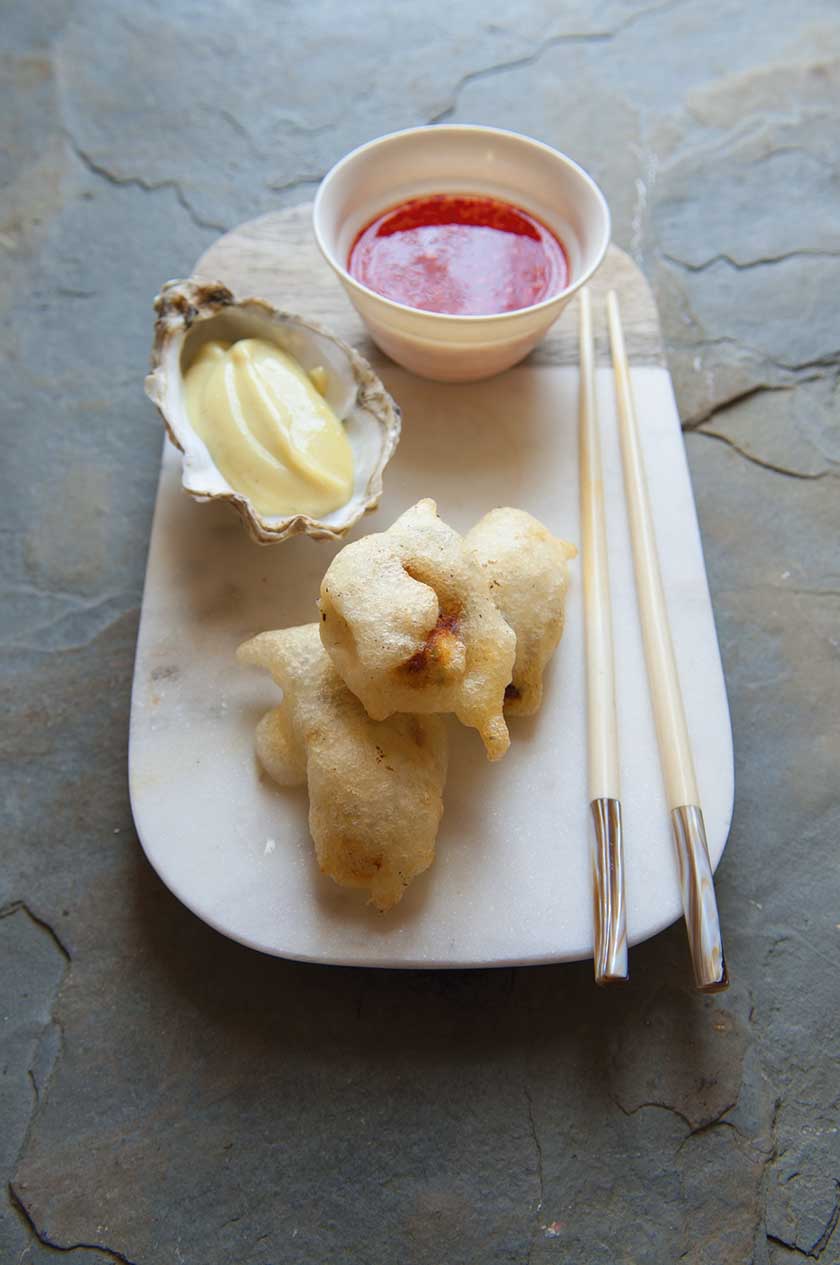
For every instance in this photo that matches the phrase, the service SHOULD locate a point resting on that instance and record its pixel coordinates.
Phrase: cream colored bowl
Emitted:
(456, 159)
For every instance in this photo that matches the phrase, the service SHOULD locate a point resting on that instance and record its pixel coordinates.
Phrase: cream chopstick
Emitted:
(696, 881)
(604, 783)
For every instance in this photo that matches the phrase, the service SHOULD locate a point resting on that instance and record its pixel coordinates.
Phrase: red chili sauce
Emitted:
(463, 254)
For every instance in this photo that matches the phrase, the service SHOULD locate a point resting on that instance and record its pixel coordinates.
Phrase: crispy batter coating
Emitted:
(375, 787)
(408, 621)
(278, 751)
(526, 569)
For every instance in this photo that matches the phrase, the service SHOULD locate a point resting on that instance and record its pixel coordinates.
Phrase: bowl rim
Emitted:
(453, 318)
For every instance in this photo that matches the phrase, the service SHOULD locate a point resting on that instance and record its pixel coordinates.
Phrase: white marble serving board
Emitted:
(512, 879)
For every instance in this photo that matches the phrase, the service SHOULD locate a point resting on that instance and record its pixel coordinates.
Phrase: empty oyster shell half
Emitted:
(191, 312)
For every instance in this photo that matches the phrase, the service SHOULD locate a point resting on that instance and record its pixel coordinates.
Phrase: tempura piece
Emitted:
(375, 788)
(407, 618)
(526, 569)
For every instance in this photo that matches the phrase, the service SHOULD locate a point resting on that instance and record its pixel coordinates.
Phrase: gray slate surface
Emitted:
(169, 1098)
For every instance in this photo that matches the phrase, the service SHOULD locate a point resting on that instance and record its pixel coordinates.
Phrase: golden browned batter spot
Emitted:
(438, 648)
(359, 862)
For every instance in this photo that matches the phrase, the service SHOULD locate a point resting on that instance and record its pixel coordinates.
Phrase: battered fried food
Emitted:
(375, 787)
(408, 620)
(527, 573)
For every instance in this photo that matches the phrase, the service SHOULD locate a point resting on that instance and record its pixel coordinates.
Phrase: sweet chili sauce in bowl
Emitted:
(459, 246)
(460, 254)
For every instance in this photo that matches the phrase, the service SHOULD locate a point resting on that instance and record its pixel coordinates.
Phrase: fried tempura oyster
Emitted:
(408, 620)
(375, 787)
(528, 577)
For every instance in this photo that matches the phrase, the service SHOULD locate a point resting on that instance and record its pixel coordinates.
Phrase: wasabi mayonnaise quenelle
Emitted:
(268, 428)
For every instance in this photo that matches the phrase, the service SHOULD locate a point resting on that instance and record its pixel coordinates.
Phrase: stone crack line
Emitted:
(802, 118)
(663, 1106)
(138, 182)
(770, 1159)
(747, 394)
(790, 933)
(748, 264)
(693, 1130)
(78, 609)
(42, 1237)
(76, 646)
(298, 182)
(242, 132)
(786, 591)
(19, 906)
(538, 1151)
(554, 41)
(766, 124)
(760, 461)
(717, 1123)
(814, 1253)
(287, 121)
(829, 361)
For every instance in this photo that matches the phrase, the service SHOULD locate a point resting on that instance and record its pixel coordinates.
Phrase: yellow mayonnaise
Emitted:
(269, 431)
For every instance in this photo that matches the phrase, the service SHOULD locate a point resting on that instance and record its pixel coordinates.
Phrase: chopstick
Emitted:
(696, 881)
(604, 784)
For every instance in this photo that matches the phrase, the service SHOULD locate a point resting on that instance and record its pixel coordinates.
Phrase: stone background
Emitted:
(169, 1098)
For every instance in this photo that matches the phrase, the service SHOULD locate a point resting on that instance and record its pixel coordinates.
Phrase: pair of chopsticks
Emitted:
(696, 882)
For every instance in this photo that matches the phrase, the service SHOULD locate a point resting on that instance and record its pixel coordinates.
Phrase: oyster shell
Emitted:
(192, 311)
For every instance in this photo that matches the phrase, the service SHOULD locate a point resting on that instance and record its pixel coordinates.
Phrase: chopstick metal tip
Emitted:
(608, 887)
(698, 899)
